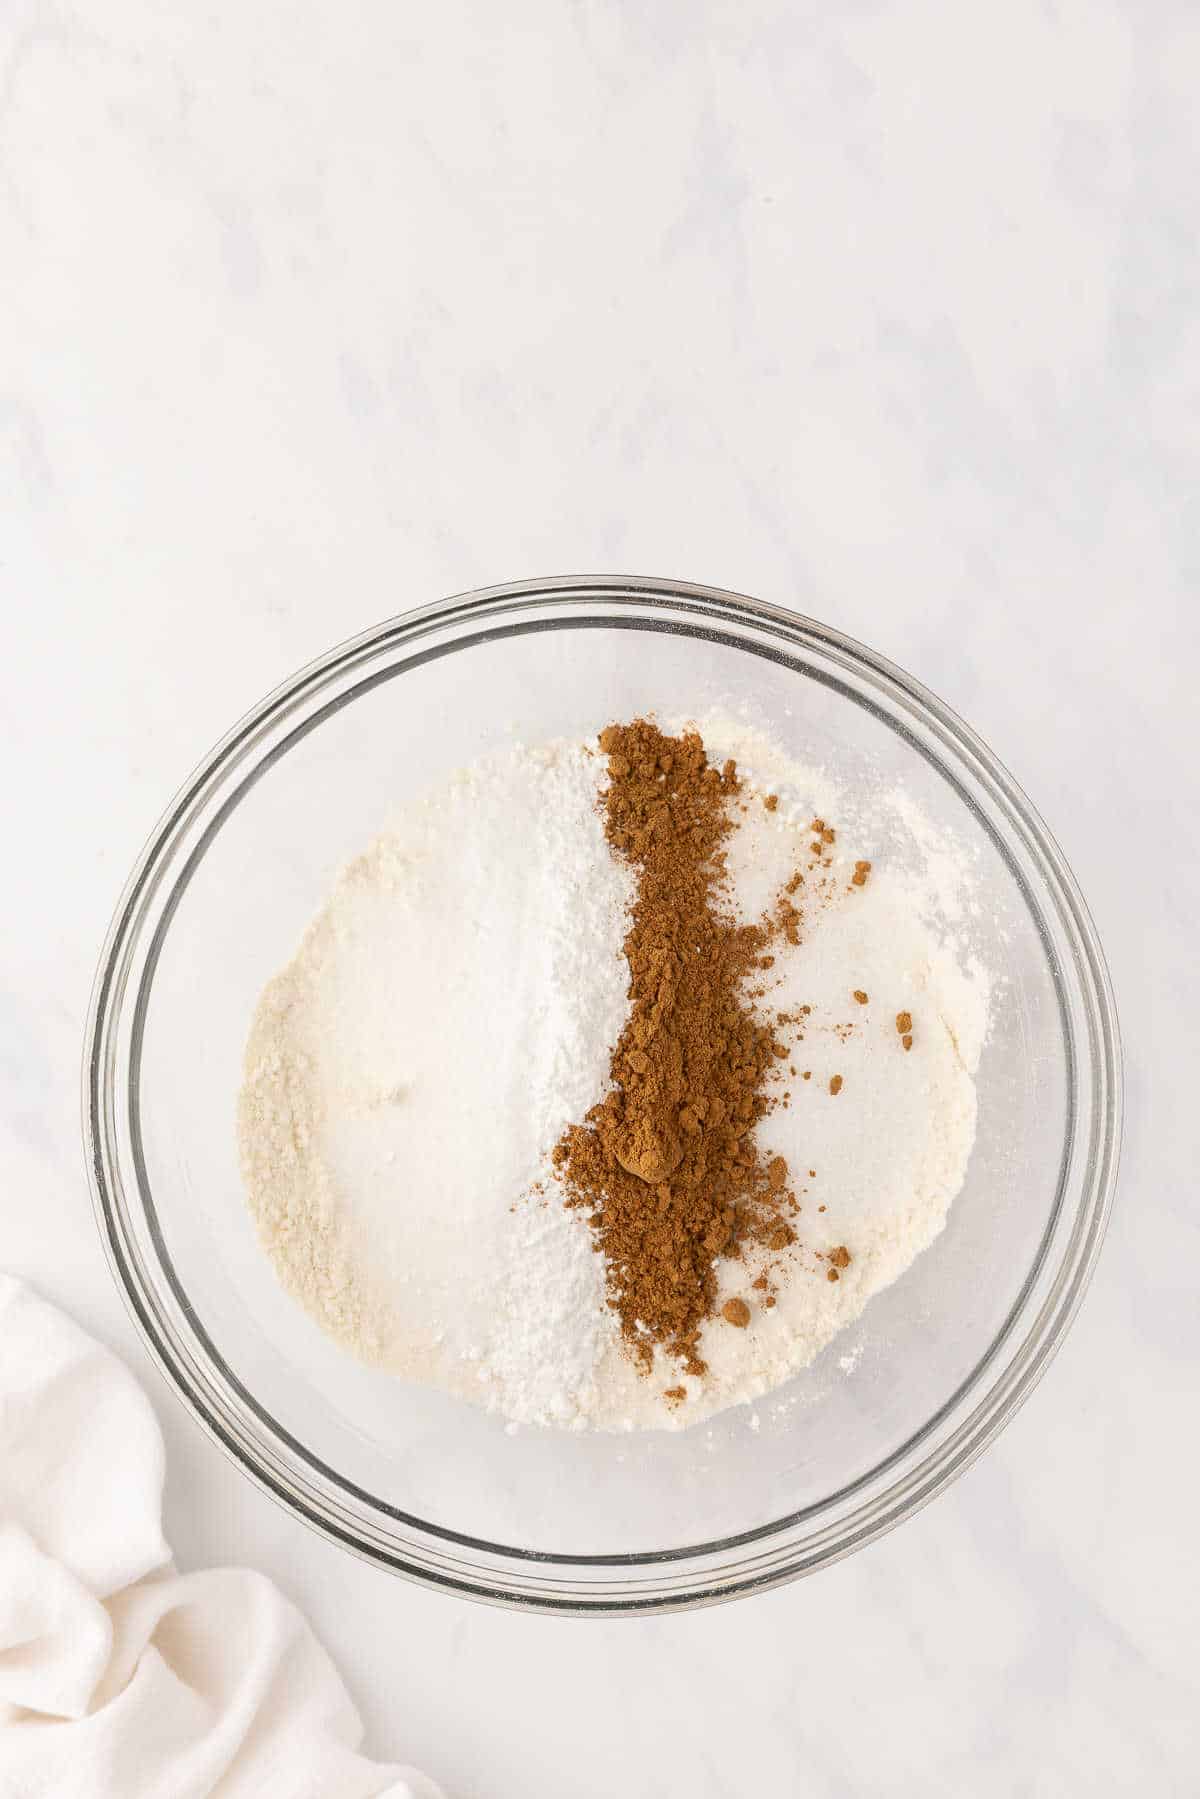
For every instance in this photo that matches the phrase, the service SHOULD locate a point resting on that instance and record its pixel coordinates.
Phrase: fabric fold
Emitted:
(121, 1678)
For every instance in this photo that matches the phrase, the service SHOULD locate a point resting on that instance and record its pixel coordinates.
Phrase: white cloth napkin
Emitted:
(119, 1677)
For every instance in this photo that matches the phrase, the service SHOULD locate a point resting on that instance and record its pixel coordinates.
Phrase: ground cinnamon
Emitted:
(666, 1165)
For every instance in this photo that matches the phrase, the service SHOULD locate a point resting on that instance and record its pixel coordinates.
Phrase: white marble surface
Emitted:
(888, 312)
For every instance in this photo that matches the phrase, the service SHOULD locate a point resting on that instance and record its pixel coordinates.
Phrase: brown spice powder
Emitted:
(665, 1164)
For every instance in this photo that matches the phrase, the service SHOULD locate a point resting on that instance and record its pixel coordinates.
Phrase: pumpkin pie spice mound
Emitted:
(666, 1165)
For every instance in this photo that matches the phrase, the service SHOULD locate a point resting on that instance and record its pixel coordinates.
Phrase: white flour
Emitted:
(453, 1008)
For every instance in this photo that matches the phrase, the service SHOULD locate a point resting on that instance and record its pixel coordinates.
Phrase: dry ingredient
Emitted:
(447, 1013)
(487, 981)
(666, 1163)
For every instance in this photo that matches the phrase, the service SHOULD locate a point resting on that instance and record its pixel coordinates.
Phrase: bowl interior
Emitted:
(251, 882)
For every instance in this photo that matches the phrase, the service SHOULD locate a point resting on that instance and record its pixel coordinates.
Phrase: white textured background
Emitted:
(890, 312)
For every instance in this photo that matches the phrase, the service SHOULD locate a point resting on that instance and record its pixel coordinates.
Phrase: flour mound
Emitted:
(447, 1014)
(454, 1007)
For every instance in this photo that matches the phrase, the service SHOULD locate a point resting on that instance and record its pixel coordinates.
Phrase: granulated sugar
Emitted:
(453, 1009)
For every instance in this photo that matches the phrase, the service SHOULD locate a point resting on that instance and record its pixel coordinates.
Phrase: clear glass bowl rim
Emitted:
(672, 1579)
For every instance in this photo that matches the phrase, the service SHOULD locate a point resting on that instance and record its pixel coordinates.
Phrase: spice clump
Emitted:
(666, 1164)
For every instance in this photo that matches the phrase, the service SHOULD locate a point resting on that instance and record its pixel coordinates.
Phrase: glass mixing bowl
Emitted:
(415, 1480)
